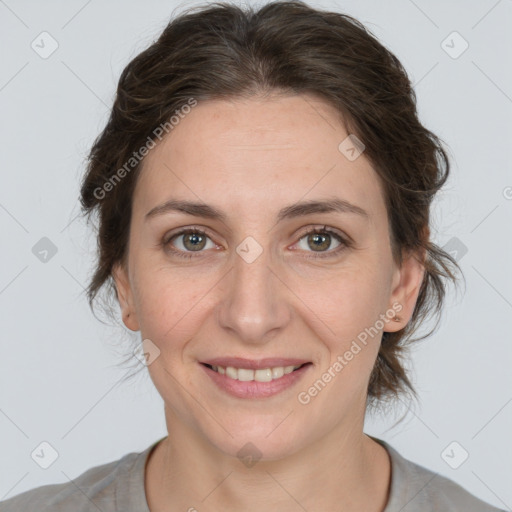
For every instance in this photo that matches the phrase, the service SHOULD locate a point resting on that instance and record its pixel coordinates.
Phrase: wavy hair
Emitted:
(221, 51)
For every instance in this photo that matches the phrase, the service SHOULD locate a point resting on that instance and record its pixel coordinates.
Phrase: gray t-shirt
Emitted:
(118, 486)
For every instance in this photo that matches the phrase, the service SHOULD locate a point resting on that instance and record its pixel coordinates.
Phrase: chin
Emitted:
(259, 439)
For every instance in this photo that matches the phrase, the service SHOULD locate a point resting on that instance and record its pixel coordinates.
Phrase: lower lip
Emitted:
(255, 389)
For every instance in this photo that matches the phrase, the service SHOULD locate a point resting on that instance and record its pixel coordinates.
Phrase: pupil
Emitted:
(319, 238)
(195, 240)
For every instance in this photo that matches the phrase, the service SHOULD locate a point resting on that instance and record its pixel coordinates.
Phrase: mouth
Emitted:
(266, 378)
(259, 375)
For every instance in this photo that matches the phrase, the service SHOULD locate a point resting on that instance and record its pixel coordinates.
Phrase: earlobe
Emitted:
(406, 288)
(125, 296)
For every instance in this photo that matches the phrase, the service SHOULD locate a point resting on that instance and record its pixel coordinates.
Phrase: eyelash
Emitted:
(344, 243)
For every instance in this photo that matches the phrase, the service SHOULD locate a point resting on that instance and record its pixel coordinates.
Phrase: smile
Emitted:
(261, 375)
(254, 383)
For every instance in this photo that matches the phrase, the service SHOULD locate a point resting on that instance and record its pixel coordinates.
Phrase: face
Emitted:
(250, 279)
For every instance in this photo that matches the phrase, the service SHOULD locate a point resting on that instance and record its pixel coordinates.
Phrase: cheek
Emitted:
(351, 332)
(349, 305)
(348, 301)
(170, 304)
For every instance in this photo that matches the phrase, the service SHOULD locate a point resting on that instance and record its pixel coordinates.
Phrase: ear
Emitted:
(125, 296)
(407, 281)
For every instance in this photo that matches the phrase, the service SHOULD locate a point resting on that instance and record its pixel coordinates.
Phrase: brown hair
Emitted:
(220, 51)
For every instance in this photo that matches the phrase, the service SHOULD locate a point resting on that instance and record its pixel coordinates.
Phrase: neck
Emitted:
(345, 470)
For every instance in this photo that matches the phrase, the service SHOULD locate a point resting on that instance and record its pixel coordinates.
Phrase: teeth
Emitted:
(232, 372)
(277, 372)
(261, 375)
(243, 374)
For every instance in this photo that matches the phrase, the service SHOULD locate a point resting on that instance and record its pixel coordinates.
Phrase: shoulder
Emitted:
(105, 487)
(415, 488)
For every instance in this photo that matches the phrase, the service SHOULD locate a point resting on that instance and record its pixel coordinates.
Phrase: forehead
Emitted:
(264, 152)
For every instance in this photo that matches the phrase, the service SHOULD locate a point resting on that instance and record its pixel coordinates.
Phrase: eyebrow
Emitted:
(301, 209)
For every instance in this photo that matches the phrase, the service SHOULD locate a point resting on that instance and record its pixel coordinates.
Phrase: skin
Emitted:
(249, 158)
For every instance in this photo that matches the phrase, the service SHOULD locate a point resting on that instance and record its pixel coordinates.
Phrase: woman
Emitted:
(263, 188)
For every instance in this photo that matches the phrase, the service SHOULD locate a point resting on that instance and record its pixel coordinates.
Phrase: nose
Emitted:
(253, 304)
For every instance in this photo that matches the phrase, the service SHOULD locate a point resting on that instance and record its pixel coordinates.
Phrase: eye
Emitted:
(192, 240)
(188, 241)
(320, 240)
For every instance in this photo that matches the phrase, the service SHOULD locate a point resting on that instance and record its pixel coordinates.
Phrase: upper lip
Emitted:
(253, 364)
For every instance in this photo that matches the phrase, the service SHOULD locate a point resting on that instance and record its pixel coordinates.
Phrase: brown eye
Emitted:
(320, 240)
(187, 241)
(194, 241)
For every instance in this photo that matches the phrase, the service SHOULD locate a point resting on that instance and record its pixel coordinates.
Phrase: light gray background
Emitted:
(58, 370)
